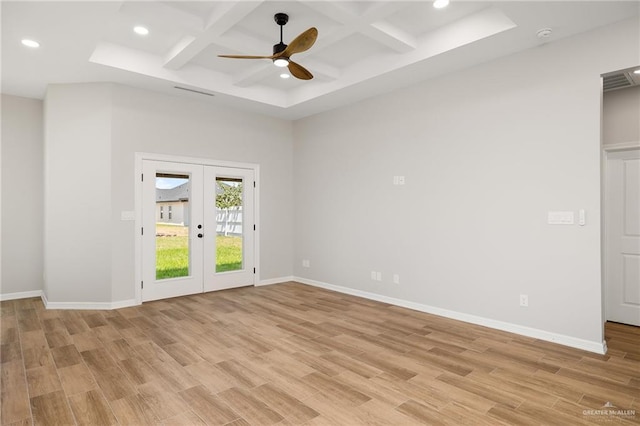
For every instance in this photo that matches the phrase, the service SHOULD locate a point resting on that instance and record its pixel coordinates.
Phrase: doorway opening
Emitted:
(621, 196)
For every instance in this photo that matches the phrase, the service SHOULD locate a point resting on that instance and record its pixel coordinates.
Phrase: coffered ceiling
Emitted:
(363, 48)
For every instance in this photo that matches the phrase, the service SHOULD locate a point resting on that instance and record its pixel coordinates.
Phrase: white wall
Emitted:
(92, 132)
(154, 123)
(22, 192)
(486, 153)
(621, 115)
(77, 197)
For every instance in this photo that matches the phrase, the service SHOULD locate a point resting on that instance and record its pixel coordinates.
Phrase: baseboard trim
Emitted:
(587, 345)
(89, 306)
(272, 281)
(20, 295)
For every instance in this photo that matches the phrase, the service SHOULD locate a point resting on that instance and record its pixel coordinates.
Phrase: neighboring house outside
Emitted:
(172, 205)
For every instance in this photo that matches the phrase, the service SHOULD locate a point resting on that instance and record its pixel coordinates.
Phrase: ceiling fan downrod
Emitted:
(281, 19)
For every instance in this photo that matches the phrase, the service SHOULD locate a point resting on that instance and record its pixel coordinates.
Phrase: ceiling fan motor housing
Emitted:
(277, 48)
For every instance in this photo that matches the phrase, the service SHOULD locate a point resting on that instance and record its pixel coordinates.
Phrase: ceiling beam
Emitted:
(322, 70)
(254, 74)
(223, 17)
(391, 36)
(371, 24)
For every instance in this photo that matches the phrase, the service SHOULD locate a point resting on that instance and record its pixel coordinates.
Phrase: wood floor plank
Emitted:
(429, 395)
(14, 395)
(43, 380)
(188, 418)
(91, 408)
(286, 405)
(50, 406)
(133, 410)
(76, 379)
(291, 354)
(253, 410)
(241, 375)
(138, 371)
(208, 407)
(165, 404)
(422, 413)
(341, 393)
(65, 356)
(471, 385)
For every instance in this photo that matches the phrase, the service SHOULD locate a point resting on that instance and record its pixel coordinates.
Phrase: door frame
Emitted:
(139, 158)
(604, 240)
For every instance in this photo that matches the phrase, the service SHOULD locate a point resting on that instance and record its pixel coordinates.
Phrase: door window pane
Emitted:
(229, 226)
(172, 229)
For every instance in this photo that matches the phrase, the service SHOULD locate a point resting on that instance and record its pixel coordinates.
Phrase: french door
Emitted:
(198, 228)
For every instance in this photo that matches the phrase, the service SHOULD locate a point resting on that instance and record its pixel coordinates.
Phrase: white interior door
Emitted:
(198, 228)
(172, 252)
(622, 237)
(229, 251)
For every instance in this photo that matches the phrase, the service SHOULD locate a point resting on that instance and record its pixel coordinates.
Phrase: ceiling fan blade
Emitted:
(245, 57)
(298, 71)
(301, 43)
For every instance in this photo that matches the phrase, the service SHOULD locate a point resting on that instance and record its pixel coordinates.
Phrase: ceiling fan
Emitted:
(282, 52)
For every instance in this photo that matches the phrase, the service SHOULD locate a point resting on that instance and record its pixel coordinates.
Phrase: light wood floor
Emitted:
(292, 354)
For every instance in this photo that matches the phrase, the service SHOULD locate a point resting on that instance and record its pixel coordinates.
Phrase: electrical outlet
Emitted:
(398, 180)
(396, 279)
(306, 263)
(373, 275)
(378, 276)
(524, 300)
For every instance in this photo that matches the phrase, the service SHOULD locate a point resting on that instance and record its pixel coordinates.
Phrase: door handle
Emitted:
(199, 235)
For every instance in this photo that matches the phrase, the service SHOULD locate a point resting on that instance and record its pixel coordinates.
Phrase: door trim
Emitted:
(624, 146)
(604, 238)
(139, 158)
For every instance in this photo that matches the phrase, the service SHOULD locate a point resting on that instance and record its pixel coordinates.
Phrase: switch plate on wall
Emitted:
(560, 218)
(127, 215)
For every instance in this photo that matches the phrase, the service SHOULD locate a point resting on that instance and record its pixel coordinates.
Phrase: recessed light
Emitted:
(284, 75)
(637, 71)
(141, 30)
(30, 43)
(440, 4)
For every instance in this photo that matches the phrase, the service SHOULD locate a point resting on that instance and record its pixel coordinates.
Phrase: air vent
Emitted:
(193, 91)
(620, 80)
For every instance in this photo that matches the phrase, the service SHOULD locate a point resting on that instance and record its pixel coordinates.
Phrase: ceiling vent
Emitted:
(200, 92)
(620, 80)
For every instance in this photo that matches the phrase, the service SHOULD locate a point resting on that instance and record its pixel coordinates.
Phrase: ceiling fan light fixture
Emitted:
(281, 62)
(440, 4)
(284, 75)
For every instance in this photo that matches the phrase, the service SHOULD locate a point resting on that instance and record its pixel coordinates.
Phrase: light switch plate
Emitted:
(127, 215)
(560, 218)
